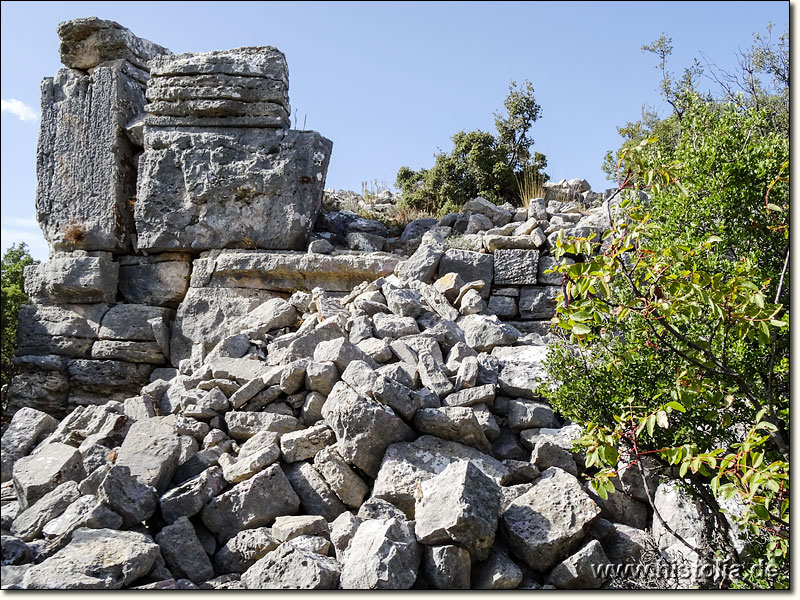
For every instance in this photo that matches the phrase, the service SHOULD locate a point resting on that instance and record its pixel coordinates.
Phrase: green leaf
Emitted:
(684, 468)
(761, 512)
(580, 329)
(676, 406)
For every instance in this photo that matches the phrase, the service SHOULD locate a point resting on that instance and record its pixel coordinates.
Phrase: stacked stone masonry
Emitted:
(230, 381)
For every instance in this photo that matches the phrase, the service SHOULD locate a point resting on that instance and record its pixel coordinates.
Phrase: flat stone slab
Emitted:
(290, 271)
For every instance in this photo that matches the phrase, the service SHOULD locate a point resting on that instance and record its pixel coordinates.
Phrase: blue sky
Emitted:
(390, 83)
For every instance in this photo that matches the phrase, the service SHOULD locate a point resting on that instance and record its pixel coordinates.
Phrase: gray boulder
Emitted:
(456, 423)
(189, 498)
(245, 424)
(497, 572)
(473, 501)
(423, 263)
(526, 414)
(104, 559)
(243, 550)
(544, 524)
(446, 567)
(151, 451)
(405, 465)
(28, 427)
(29, 523)
(288, 567)
(86, 511)
(183, 552)
(625, 545)
(345, 483)
(252, 503)
(538, 302)
(288, 527)
(364, 429)
(124, 494)
(316, 497)
(483, 333)
(383, 555)
(499, 215)
(306, 443)
(36, 475)
(581, 571)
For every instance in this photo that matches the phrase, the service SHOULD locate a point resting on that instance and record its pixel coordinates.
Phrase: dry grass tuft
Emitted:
(74, 233)
(530, 185)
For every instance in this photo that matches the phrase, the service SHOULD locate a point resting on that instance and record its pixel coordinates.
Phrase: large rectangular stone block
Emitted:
(290, 271)
(67, 330)
(85, 161)
(516, 267)
(159, 280)
(78, 279)
(42, 384)
(229, 187)
(471, 266)
(538, 302)
(99, 381)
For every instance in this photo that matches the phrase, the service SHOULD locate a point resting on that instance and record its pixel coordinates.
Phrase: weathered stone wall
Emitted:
(146, 159)
(247, 415)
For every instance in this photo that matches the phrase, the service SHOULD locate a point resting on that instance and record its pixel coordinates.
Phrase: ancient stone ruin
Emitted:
(230, 381)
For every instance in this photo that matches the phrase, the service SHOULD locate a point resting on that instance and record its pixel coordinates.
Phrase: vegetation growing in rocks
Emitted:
(681, 314)
(481, 163)
(15, 259)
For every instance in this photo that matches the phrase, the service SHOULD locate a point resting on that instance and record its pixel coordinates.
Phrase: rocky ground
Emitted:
(315, 449)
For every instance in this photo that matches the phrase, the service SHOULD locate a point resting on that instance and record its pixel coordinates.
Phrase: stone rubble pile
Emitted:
(224, 386)
(313, 447)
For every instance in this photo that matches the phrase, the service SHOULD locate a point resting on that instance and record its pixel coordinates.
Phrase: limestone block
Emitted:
(159, 280)
(200, 189)
(85, 162)
(516, 267)
(79, 279)
(87, 42)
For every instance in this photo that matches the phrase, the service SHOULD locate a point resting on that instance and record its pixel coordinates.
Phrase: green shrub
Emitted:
(15, 259)
(480, 163)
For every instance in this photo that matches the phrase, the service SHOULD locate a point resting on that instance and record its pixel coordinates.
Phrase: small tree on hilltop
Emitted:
(481, 163)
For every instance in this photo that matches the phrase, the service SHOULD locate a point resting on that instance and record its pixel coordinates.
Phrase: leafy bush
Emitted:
(678, 322)
(15, 259)
(480, 163)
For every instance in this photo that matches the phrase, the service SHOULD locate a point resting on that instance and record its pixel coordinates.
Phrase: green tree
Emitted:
(677, 323)
(14, 261)
(480, 163)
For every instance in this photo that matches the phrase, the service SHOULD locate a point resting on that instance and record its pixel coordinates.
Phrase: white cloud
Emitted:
(19, 109)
